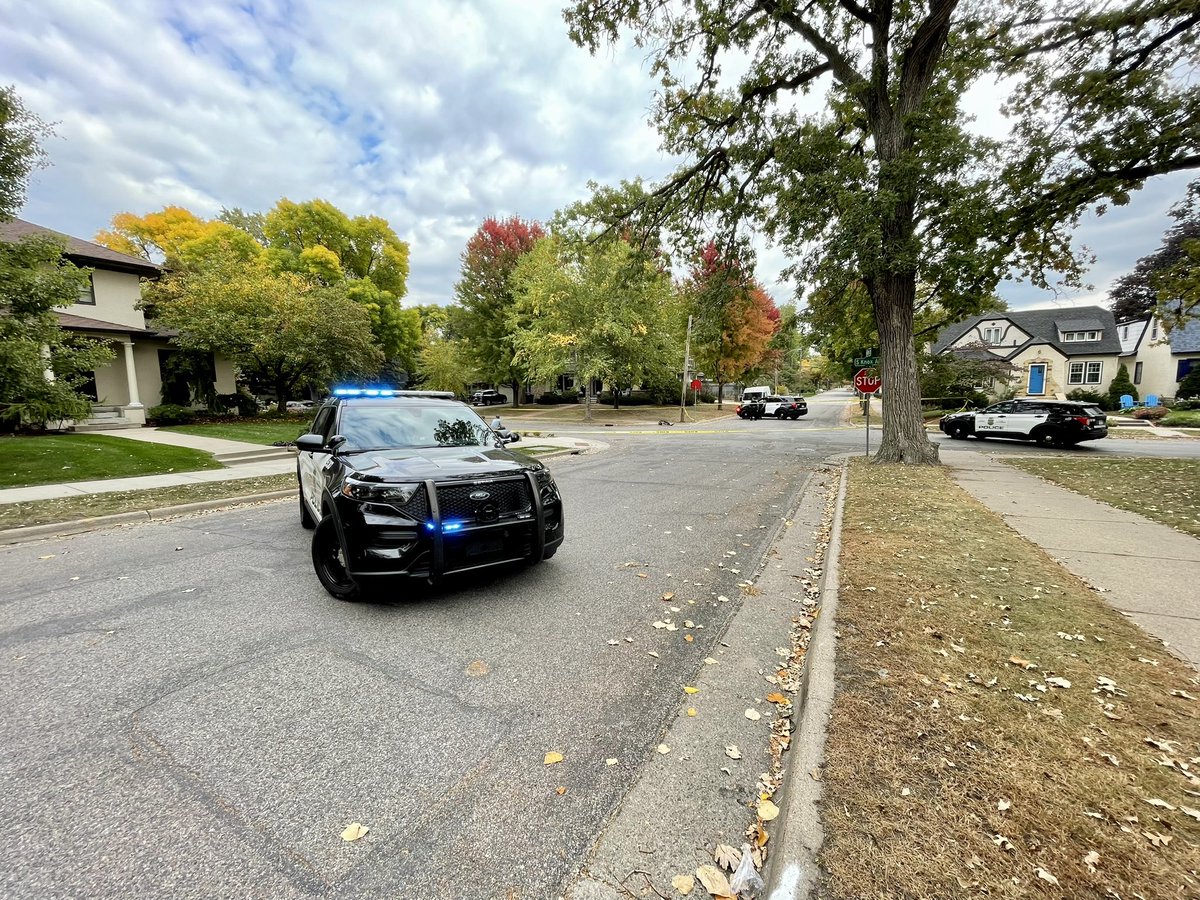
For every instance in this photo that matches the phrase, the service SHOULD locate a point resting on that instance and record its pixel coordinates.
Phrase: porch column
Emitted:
(135, 401)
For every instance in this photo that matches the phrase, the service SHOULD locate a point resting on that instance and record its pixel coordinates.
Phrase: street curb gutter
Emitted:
(792, 872)
(55, 529)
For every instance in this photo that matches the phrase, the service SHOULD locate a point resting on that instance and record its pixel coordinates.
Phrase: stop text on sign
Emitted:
(866, 382)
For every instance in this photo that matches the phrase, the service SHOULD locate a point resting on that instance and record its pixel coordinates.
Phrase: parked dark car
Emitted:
(413, 483)
(1054, 423)
(487, 398)
(788, 408)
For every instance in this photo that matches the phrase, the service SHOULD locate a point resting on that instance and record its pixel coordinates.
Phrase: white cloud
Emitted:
(432, 115)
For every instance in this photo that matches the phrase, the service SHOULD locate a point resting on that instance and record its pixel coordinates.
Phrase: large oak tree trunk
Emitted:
(904, 439)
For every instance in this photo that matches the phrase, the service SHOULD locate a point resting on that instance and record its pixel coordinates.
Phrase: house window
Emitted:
(1085, 373)
(1137, 373)
(1093, 335)
(1154, 329)
(1184, 368)
(1125, 333)
(991, 336)
(1068, 336)
(87, 293)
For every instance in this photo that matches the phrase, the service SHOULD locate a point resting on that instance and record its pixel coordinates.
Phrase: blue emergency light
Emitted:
(364, 392)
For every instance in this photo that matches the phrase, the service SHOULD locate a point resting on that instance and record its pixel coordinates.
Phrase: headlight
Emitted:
(378, 492)
(544, 477)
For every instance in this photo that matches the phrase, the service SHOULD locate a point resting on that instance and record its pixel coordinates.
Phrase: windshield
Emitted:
(398, 427)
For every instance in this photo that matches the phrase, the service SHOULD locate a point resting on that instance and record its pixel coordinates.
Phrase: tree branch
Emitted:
(842, 69)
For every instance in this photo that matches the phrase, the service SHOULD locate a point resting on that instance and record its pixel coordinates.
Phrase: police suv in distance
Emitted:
(413, 483)
(1054, 423)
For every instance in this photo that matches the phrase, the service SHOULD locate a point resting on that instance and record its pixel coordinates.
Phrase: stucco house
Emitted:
(1158, 361)
(107, 309)
(1054, 351)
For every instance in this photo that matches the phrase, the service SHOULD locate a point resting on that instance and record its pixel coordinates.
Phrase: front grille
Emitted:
(504, 500)
(417, 506)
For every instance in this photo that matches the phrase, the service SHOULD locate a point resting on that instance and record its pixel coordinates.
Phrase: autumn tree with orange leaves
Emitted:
(734, 319)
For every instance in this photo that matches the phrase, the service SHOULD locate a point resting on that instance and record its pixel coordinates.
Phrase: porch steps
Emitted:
(105, 418)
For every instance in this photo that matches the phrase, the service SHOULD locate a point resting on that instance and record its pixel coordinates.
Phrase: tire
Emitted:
(780, 414)
(306, 519)
(958, 432)
(1047, 438)
(329, 563)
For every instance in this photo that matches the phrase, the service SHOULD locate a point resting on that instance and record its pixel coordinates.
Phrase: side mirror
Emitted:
(311, 443)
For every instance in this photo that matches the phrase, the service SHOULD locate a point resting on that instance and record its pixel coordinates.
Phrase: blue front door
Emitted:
(1037, 379)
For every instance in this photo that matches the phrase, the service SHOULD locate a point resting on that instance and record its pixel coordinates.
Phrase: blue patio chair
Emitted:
(1152, 400)
(1126, 401)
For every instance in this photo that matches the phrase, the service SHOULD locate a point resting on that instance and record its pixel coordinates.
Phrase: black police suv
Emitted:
(414, 483)
(1054, 423)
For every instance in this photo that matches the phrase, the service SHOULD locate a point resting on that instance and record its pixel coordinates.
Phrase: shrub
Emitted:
(1184, 405)
(1083, 395)
(1190, 386)
(551, 397)
(1153, 413)
(708, 397)
(169, 414)
(1121, 386)
(242, 401)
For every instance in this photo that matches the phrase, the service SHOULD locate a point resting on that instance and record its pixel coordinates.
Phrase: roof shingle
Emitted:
(81, 251)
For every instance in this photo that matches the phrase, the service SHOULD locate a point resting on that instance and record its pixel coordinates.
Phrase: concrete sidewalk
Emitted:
(1142, 568)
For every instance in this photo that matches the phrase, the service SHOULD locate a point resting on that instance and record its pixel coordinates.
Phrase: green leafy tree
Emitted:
(600, 309)
(21, 133)
(485, 298)
(177, 238)
(41, 366)
(1165, 271)
(886, 185)
(279, 328)
(445, 365)
(960, 376)
(1189, 387)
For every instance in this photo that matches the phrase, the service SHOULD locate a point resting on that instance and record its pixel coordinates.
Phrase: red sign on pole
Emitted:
(696, 384)
(867, 383)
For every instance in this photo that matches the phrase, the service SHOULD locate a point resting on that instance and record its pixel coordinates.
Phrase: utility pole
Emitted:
(687, 352)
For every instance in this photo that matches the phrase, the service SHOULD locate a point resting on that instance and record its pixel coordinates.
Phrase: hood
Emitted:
(960, 414)
(419, 463)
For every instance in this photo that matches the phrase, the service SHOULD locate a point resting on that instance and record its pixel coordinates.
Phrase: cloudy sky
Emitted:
(433, 114)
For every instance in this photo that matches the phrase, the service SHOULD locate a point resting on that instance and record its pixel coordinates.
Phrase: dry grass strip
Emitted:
(959, 764)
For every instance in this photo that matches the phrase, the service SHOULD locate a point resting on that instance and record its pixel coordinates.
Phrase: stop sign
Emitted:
(867, 383)
(696, 384)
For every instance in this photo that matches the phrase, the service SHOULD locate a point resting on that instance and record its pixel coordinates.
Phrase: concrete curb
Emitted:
(78, 526)
(792, 871)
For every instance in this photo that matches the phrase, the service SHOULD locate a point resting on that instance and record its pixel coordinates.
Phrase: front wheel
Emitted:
(958, 432)
(330, 564)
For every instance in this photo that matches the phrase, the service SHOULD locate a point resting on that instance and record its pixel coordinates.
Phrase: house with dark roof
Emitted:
(108, 309)
(1158, 360)
(1054, 351)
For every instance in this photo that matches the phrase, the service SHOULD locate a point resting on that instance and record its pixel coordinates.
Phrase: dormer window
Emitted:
(992, 335)
(1078, 336)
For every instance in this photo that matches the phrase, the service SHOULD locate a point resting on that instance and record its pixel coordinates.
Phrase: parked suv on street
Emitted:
(413, 483)
(786, 407)
(487, 398)
(1055, 423)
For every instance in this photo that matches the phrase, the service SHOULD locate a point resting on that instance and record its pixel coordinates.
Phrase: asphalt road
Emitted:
(188, 713)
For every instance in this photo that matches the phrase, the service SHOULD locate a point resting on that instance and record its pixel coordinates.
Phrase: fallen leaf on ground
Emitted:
(692, 711)
(1161, 804)
(1003, 843)
(714, 881)
(709, 661)
(727, 857)
(688, 689)
(753, 715)
(477, 669)
(767, 810)
(733, 752)
(642, 575)
(1058, 682)
(1188, 811)
(776, 697)
(47, 556)
(664, 749)
(611, 761)
(683, 884)
(354, 831)
(1046, 876)
(613, 643)
(560, 790)
(1020, 661)
(1091, 860)
(1004, 804)
(552, 757)
(688, 638)
(1158, 840)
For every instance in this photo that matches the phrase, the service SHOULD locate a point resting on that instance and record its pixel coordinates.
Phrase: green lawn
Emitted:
(54, 458)
(1166, 490)
(252, 432)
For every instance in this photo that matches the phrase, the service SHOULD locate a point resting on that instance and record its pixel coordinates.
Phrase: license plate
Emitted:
(485, 546)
